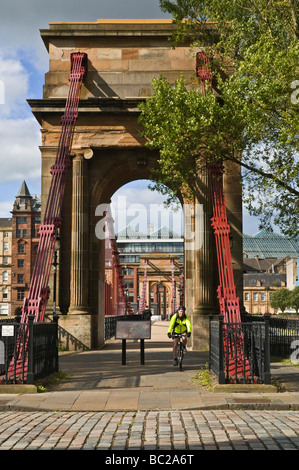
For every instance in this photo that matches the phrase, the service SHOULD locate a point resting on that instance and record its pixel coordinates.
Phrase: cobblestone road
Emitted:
(150, 430)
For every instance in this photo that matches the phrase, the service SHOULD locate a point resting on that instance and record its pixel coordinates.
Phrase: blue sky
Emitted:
(23, 63)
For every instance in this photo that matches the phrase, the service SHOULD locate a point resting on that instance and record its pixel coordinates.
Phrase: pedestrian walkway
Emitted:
(104, 405)
(97, 381)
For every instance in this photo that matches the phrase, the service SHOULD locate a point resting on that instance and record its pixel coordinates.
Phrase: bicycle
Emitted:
(181, 350)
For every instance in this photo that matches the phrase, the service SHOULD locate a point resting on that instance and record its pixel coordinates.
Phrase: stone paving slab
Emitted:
(150, 431)
(137, 400)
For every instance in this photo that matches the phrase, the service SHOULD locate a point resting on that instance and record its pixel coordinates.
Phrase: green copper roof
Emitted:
(267, 244)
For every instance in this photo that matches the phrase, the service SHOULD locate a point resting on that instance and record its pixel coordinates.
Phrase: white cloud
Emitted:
(19, 131)
(14, 85)
(149, 210)
(19, 152)
(6, 208)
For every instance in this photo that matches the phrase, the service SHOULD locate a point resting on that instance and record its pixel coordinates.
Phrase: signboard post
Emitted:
(133, 330)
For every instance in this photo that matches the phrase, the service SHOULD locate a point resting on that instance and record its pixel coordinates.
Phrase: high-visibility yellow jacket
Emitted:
(179, 325)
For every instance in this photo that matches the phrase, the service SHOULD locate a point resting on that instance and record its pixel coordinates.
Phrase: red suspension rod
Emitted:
(38, 294)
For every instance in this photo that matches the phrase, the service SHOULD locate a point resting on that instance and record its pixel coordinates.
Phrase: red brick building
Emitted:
(26, 218)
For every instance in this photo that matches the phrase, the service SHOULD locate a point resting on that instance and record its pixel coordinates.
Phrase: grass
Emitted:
(204, 378)
(284, 361)
(44, 384)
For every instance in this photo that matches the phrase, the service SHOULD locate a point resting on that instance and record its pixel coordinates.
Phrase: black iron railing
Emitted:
(283, 333)
(240, 352)
(20, 364)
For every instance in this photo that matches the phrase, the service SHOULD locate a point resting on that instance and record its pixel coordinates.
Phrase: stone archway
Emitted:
(108, 151)
(161, 303)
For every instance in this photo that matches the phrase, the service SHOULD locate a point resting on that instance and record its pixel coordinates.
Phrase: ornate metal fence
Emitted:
(283, 332)
(255, 351)
(39, 358)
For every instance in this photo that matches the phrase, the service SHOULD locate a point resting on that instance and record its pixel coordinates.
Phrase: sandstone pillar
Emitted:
(79, 238)
(200, 272)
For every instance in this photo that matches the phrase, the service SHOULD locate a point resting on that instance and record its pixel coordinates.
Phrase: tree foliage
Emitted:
(294, 302)
(283, 299)
(256, 121)
(280, 299)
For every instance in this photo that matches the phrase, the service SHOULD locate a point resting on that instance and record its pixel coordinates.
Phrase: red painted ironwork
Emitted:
(38, 294)
(203, 69)
(238, 365)
(228, 300)
(122, 305)
(143, 296)
(36, 301)
(229, 303)
(182, 289)
(174, 306)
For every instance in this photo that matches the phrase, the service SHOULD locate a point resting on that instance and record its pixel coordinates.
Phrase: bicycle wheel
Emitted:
(181, 355)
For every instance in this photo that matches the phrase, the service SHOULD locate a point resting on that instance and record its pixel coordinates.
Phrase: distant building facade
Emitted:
(26, 219)
(160, 248)
(269, 263)
(5, 266)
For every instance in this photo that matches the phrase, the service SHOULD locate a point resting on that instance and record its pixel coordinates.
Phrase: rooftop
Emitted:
(164, 233)
(266, 244)
(5, 222)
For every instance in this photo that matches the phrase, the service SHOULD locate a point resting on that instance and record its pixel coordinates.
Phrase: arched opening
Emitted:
(161, 301)
(150, 252)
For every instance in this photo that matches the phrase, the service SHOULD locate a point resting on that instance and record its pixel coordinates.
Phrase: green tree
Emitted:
(254, 120)
(281, 299)
(294, 295)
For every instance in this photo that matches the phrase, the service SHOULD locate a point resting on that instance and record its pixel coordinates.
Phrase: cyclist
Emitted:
(179, 323)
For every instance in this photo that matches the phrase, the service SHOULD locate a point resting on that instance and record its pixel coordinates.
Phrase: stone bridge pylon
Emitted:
(108, 152)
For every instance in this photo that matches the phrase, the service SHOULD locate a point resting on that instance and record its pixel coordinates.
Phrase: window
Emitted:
(21, 220)
(21, 294)
(263, 296)
(255, 297)
(5, 260)
(4, 293)
(5, 246)
(129, 283)
(21, 249)
(5, 276)
(130, 271)
(21, 263)
(21, 233)
(246, 297)
(21, 278)
(3, 309)
(5, 235)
